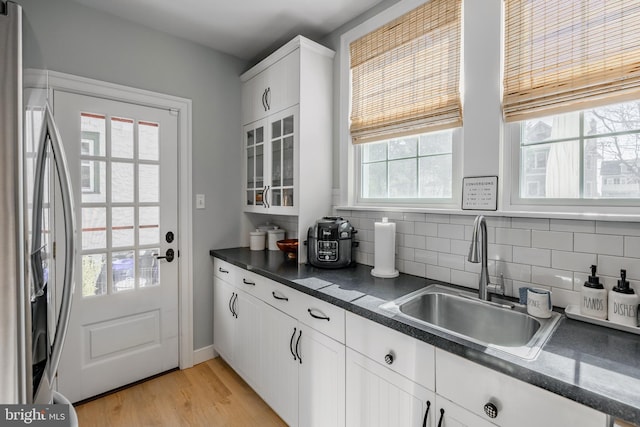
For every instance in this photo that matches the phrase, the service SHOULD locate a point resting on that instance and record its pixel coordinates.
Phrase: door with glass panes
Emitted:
(124, 322)
(271, 153)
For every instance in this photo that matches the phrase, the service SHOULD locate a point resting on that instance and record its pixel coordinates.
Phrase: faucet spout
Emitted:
(478, 254)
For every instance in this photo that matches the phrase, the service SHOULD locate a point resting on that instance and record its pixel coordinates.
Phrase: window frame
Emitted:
(348, 156)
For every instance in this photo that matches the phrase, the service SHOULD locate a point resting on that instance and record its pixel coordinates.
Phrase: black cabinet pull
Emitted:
(247, 282)
(231, 299)
(315, 316)
(265, 196)
(389, 358)
(279, 298)
(291, 344)
(426, 414)
(491, 410)
(264, 100)
(441, 417)
(222, 270)
(268, 98)
(298, 346)
(235, 300)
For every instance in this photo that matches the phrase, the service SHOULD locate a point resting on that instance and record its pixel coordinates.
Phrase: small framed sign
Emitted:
(480, 193)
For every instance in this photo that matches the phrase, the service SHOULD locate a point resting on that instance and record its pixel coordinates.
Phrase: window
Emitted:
(591, 154)
(413, 167)
(405, 103)
(571, 89)
(90, 170)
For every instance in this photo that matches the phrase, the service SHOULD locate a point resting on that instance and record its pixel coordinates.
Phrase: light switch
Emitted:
(199, 201)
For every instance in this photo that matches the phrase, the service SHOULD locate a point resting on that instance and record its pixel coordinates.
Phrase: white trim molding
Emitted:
(203, 354)
(54, 80)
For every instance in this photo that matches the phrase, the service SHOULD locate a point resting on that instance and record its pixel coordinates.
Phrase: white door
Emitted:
(124, 322)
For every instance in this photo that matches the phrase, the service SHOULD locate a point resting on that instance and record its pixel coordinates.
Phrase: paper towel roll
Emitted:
(384, 255)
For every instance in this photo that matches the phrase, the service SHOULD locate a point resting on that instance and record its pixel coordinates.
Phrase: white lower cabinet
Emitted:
(448, 414)
(224, 295)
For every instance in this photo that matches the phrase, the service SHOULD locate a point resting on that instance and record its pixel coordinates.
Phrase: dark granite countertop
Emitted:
(595, 366)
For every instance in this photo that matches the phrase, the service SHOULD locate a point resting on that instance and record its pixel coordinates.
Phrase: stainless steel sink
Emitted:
(504, 326)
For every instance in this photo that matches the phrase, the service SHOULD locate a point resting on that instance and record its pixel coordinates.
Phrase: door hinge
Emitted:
(178, 253)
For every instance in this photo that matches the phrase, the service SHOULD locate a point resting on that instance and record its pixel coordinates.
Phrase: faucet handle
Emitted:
(497, 288)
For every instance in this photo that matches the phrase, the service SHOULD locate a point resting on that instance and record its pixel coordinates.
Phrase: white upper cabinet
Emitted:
(286, 116)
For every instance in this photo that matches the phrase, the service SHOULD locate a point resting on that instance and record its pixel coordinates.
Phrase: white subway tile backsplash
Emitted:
(552, 277)
(439, 273)
(465, 278)
(451, 261)
(415, 268)
(426, 257)
(413, 241)
(572, 260)
(415, 216)
(405, 227)
(620, 228)
(460, 247)
(366, 223)
(451, 231)
(462, 219)
(598, 244)
(406, 253)
(498, 221)
(572, 225)
(440, 218)
(530, 223)
(513, 236)
(426, 229)
(632, 247)
(563, 297)
(514, 271)
(611, 266)
(438, 244)
(552, 240)
(499, 252)
(468, 233)
(533, 256)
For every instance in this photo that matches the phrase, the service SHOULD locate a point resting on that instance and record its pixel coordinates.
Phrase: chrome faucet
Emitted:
(485, 287)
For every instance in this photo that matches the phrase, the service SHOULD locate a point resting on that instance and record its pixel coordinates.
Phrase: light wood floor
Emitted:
(209, 394)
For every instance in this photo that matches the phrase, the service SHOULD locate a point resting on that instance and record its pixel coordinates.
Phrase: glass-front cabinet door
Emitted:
(282, 145)
(254, 144)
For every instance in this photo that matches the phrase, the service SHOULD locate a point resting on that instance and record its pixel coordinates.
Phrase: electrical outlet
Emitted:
(200, 201)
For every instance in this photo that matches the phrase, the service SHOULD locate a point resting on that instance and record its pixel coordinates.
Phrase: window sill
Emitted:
(588, 216)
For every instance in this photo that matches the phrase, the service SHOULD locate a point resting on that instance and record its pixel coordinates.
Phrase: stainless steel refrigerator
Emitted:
(34, 308)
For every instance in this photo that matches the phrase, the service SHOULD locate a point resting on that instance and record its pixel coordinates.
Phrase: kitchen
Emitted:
(78, 40)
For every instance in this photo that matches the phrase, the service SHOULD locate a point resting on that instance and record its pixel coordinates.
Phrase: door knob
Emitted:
(170, 255)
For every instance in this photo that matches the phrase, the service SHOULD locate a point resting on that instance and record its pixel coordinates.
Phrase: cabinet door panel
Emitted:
(283, 83)
(253, 101)
(379, 397)
(255, 164)
(322, 386)
(223, 319)
(282, 146)
(246, 351)
(279, 366)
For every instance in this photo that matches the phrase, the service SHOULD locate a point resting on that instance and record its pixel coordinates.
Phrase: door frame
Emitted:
(182, 107)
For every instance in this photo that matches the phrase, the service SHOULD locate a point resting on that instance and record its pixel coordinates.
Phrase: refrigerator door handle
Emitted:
(50, 133)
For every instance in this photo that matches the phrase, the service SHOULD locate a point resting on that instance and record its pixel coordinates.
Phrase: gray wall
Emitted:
(64, 36)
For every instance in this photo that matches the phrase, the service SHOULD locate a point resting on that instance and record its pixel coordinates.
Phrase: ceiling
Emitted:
(246, 29)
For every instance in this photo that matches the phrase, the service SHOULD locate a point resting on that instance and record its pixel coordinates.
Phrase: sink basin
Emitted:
(503, 326)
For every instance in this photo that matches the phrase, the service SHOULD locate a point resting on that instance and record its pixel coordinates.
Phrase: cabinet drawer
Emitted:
(518, 403)
(225, 271)
(411, 357)
(321, 316)
(281, 297)
(250, 282)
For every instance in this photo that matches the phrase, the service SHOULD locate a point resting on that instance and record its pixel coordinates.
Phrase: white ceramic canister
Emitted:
(272, 237)
(257, 240)
(539, 302)
(266, 227)
(593, 297)
(623, 303)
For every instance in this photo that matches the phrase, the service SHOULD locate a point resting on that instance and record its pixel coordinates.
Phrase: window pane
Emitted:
(149, 231)
(374, 180)
(149, 182)
(148, 141)
(435, 176)
(550, 170)
(121, 138)
(611, 167)
(551, 128)
(94, 274)
(122, 227)
(403, 148)
(93, 128)
(123, 268)
(614, 118)
(435, 143)
(122, 182)
(149, 268)
(374, 152)
(94, 228)
(402, 178)
(93, 181)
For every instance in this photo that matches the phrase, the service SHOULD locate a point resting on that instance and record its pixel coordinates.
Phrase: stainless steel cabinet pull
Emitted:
(426, 414)
(291, 344)
(278, 297)
(315, 316)
(222, 270)
(247, 282)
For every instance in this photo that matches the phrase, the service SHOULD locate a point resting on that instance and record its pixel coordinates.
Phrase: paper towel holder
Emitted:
(380, 269)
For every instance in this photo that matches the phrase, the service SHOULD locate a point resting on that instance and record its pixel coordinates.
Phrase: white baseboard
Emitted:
(203, 354)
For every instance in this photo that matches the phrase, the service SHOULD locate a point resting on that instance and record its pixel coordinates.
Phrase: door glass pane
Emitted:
(93, 181)
(148, 268)
(123, 268)
(250, 163)
(149, 181)
(276, 129)
(276, 163)
(94, 274)
(121, 138)
(121, 182)
(122, 227)
(149, 231)
(260, 166)
(94, 228)
(250, 138)
(287, 161)
(250, 198)
(92, 126)
(276, 197)
(287, 125)
(148, 141)
(259, 135)
(287, 197)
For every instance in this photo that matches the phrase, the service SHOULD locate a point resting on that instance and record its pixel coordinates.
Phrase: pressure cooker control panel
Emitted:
(327, 250)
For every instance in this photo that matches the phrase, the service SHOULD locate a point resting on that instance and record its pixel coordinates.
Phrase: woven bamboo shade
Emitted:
(405, 75)
(564, 55)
